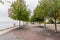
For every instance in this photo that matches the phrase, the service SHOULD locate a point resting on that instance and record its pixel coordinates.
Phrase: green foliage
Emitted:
(40, 13)
(1, 2)
(19, 11)
(50, 22)
(52, 8)
(47, 8)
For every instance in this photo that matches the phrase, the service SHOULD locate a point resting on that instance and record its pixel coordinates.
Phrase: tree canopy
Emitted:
(19, 11)
(47, 8)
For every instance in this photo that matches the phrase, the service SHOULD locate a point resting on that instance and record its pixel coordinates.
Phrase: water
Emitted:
(7, 24)
(4, 25)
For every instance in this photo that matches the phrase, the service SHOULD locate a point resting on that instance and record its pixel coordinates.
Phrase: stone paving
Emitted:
(30, 33)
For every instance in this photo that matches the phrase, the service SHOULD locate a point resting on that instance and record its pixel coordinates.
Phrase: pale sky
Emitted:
(4, 8)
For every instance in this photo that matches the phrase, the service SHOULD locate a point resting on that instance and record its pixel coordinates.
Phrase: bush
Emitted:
(50, 22)
(58, 23)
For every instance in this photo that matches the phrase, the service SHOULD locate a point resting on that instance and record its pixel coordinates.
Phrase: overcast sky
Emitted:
(4, 8)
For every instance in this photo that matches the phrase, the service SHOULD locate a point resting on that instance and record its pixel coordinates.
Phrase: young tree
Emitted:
(19, 11)
(52, 8)
(38, 15)
(47, 8)
(54, 11)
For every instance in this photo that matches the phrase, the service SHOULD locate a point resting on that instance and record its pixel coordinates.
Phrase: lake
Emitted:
(4, 25)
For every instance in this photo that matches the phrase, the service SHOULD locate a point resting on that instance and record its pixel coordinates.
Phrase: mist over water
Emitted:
(4, 25)
(9, 24)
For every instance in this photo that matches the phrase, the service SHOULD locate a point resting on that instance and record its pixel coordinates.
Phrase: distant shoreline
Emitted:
(7, 30)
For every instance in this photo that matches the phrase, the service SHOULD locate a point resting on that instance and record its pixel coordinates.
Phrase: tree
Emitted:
(52, 8)
(38, 15)
(19, 11)
(47, 8)
(54, 11)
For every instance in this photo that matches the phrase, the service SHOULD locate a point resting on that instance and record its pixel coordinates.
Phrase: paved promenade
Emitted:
(30, 32)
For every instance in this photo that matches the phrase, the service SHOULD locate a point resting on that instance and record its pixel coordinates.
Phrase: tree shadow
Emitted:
(40, 26)
(21, 28)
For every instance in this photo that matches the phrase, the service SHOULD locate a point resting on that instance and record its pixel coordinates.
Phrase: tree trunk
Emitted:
(55, 26)
(23, 23)
(39, 24)
(45, 27)
(27, 23)
(19, 23)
